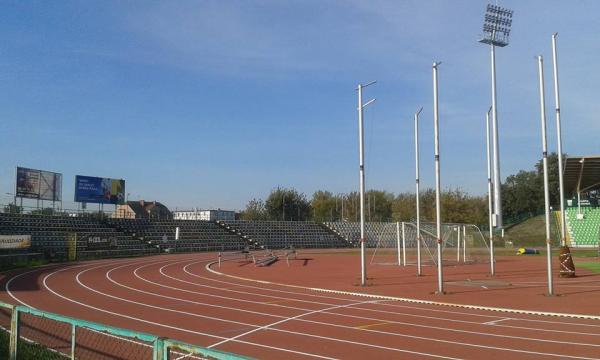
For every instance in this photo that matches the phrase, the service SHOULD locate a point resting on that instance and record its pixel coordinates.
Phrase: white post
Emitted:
(490, 195)
(496, 146)
(457, 244)
(398, 243)
(545, 165)
(417, 191)
(563, 235)
(464, 242)
(403, 244)
(361, 150)
(177, 233)
(438, 211)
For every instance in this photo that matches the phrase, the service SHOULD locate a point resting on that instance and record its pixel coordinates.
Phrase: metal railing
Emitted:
(41, 334)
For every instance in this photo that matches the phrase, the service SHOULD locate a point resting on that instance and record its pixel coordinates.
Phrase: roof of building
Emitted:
(582, 173)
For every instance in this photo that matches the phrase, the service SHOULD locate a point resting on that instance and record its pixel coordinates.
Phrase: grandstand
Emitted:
(582, 184)
(283, 234)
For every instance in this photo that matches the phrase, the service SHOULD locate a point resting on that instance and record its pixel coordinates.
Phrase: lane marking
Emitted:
(362, 327)
(417, 301)
(494, 322)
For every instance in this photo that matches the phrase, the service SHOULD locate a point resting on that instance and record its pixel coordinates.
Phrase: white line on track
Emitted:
(135, 272)
(376, 331)
(454, 312)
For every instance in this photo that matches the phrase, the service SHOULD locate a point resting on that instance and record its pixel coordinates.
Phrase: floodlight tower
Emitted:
(361, 172)
(496, 30)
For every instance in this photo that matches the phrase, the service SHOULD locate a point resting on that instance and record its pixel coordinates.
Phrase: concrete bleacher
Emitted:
(49, 235)
(583, 232)
(194, 235)
(284, 234)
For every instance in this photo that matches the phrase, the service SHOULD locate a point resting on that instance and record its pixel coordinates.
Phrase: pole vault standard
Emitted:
(545, 165)
(490, 191)
(361, 171)
(438, 210)
(417, 191)
(563, 237)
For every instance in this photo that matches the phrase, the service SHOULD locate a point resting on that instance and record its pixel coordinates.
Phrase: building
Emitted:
(207, 215)
(142, 210)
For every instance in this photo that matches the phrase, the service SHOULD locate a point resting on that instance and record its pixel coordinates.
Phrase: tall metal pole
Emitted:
(490, 190)
(496, 145)
(545, 165)
(563, 238)
(438, 212)
(361, 150)
(417, 192)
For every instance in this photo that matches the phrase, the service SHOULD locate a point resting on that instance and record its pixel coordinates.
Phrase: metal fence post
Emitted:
(159, 349)
(14, 333)
(73, 341)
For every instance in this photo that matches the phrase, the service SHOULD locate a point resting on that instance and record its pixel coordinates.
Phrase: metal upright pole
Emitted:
(563, 237)
(361, 150)
(458, 244)
(398, 243)
(438, 212)
(490, 195)
(545, 165)
(496, 145)
(417, 191)
(464, 242)
(403, 243)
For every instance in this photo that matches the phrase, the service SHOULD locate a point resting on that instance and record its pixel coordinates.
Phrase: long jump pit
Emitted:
(519, 285)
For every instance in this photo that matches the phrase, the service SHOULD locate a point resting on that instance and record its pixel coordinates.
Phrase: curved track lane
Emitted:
(175, 296)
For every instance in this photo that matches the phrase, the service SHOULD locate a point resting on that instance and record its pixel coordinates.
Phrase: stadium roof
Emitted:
(582, 173)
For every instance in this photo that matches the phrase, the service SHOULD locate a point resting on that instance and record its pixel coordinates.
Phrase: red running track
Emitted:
(175, 296)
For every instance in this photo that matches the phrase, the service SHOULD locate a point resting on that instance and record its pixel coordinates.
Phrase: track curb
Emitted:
(409, 300)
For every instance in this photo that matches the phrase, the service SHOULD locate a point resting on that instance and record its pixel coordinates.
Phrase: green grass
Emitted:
(593, 266)
(27, 351)
(24, 264)
(531, 232)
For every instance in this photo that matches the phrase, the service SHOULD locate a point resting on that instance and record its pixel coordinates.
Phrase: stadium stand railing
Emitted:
(583, 232)
(285, 234)
(35, 334)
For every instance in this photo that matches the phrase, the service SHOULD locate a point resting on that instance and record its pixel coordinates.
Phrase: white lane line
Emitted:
(135, 272)
(257, 326)
(265, 327)
(369, 330)
(494, 322)
(417, 301)
(453, 312)
(166, 325)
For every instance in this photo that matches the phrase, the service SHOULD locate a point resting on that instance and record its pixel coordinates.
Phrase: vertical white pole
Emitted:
(464, 243)
(361, 140)
(403, 243)
(490, 195)
(177, 233)
(563, 237)
(545, 165)
(398, 243)
(438, 212)
(417, 192)
(496, 146)
(457, 244)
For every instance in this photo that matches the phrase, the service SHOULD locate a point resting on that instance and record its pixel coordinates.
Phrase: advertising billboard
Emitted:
(90, 189)
(15, 241)
(38, 184)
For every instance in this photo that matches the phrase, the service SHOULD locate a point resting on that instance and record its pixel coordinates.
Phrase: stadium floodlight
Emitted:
(545, 165)
(361, 171)
(496, 31)
(490, 191)
(419, 273)
(563, 225)
(438, 210)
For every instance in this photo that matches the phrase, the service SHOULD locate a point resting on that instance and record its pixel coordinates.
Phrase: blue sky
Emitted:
(212, 103)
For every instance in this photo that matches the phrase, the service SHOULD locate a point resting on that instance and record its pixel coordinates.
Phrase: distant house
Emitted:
(142, 210)
(208, 215)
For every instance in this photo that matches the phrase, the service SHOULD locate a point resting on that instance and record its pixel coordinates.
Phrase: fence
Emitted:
(36, 334)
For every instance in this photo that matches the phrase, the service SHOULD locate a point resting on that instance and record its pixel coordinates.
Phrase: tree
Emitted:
(13, 209)
(255, 210)
(287, 205)
(325, 207)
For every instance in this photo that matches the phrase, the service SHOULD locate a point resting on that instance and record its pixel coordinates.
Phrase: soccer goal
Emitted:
(396, 244)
